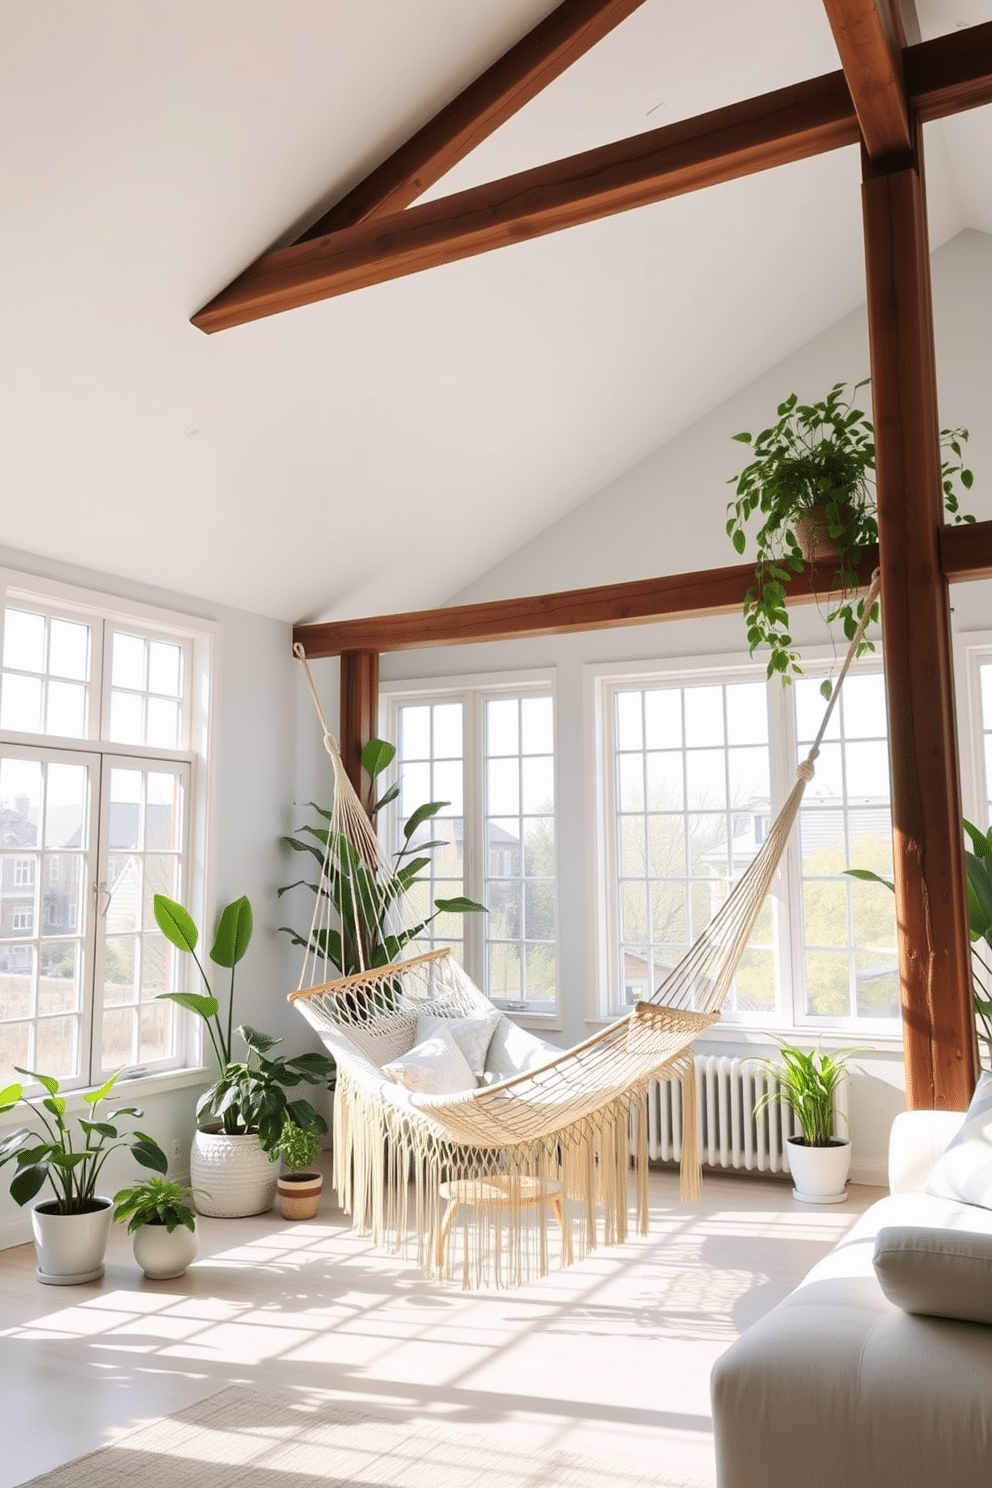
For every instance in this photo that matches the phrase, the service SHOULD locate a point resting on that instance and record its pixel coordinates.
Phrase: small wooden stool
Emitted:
(504, 1192)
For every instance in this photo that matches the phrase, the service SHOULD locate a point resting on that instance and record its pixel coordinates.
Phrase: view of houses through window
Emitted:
(95, 775)
(698, 768)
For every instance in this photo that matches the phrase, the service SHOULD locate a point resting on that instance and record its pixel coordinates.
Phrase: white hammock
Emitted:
(571, 1125)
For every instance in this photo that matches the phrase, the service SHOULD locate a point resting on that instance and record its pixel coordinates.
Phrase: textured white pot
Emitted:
(820, 1173)
(71, 1247)
(161, 1255)
(298, 1195)
(231, 1176)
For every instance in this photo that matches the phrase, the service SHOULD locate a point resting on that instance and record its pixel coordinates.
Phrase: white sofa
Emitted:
(837, 1387)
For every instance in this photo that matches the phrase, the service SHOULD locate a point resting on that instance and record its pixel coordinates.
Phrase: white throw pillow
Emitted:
(964, 1170)
(514, 1051)
(435, 1067)
(941, 1273)
(472, 1035)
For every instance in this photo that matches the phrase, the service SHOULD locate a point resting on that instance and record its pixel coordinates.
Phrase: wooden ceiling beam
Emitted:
(789, 124)
(716, 591)
(501, 91)
(950, 74)
(870, 42)
(774, 129)
(966, 553)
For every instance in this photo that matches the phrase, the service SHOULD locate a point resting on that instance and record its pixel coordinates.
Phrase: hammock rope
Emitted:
(576, 1119)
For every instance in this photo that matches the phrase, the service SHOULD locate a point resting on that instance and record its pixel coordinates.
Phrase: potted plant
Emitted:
(978, 874)
(347, 881)
(810, 487)
(240, 1116)
(163, 1225)
(299, 1186)
(819, 1160)
(71, 1229)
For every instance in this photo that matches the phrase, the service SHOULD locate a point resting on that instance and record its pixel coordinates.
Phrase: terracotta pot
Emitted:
(813, 536)
(235, 1174)
(71, 1247)
(298, 1194)
(162, 1256)
(820, 1173)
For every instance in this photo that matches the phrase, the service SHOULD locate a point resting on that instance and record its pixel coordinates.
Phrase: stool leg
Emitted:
(442, 1234)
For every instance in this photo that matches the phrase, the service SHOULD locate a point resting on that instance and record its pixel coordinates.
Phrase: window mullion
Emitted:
(473, 833)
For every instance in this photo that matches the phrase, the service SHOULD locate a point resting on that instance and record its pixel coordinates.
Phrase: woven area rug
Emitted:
(242, 1438)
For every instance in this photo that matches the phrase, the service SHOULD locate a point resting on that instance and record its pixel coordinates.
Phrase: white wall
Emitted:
(667, 515)
(262, 754)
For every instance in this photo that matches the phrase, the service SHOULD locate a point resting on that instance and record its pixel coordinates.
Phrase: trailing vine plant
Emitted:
(812, 477)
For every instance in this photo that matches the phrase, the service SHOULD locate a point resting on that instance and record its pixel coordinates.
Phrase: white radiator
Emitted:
(729, 1135)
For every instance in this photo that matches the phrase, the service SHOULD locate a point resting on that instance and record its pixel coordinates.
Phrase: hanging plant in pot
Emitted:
(819, 1159)
(71, 1230)
(240, 1117)
(810, 490)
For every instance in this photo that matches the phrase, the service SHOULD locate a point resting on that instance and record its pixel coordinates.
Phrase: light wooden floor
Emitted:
(609, 1358)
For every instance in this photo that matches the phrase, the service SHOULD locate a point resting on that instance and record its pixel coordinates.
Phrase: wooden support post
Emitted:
(359, 715)
(931, 902)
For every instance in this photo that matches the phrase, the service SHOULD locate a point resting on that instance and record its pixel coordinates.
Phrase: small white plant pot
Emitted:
(231, 1176)
(71, 1247)
(162, 1256)
(819, 1173)
(298, 1195)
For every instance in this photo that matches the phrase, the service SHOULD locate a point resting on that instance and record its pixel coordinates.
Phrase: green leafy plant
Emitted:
(298, 1146)
(813, 471)
(70, 1160)
(155, 1201)
(978, 876)
(352, 882)
(249, 1094)
(808, 1085)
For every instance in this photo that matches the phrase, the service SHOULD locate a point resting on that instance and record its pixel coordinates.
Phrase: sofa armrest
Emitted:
(916, 1141)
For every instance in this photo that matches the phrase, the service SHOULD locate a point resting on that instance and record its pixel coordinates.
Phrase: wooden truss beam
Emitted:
(789, 124)
(870, 42)
(966, 553)
(928, 859)
(501, 91)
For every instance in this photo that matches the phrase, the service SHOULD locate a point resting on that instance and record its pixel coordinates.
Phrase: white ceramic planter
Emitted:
(820, 1173)
(298, 1195)
(71, 1247)
(161, 1255)
(231, 1176)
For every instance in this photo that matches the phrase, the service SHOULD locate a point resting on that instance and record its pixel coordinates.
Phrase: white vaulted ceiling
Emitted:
(379, 450)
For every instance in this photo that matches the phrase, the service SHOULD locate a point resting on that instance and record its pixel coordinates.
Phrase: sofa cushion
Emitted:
(964, 1171)
(472, 1035)
(435, 1067)
(938, 1272)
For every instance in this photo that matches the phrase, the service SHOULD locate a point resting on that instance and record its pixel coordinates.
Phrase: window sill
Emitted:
(766, 1036)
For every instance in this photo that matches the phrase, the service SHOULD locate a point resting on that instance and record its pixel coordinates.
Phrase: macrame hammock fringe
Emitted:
(573, 1126)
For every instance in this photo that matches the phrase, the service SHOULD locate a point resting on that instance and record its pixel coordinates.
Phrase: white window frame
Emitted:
(201, 639)
(790, 1018)
(473, 690)
(972, 649)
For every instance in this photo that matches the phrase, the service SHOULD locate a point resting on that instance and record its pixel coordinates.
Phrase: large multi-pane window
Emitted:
(489, 753)
(695, 771)
(849, 964)
(97, 720)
